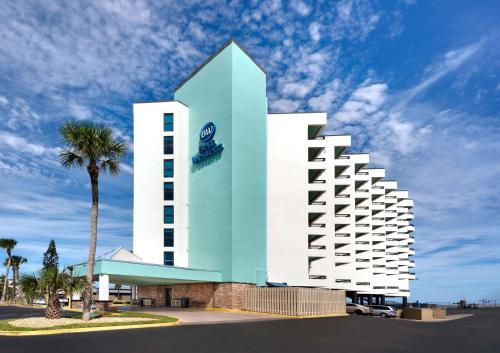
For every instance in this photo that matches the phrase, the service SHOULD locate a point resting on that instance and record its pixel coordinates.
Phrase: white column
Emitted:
(103, 287)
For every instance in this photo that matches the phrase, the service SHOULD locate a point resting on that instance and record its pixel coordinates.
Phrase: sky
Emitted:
(416, 83)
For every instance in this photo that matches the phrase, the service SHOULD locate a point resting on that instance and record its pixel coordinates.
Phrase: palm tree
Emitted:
(8, 245)
(118, 286)
(94, 147)
(16, 263)
(50, 281)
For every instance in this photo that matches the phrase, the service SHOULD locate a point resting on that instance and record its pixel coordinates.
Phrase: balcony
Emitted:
(314, 175)
(342, 235)
(316, 242)
(342, 219)
(317, 203)
(317, 225)
(317, 276)
(316, 154)
(314, 132)
(342, 254)
(317, 251)
(340, 171)
(342, 176)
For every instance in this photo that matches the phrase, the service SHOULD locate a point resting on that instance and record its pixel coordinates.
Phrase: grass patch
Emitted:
(5, 326)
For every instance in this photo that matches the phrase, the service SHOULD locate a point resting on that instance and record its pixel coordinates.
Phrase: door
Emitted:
(168, 296)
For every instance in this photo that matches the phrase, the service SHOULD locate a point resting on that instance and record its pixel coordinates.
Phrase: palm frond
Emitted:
(69, 159)
(30, 285)
(87, 142)
(111, 165)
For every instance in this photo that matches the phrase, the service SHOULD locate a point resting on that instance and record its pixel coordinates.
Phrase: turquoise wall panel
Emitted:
(227, 192)
(249, 168)
(208, 96)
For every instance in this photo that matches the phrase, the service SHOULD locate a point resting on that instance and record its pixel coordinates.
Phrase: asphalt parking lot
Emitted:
(19, 312)
(479, 333)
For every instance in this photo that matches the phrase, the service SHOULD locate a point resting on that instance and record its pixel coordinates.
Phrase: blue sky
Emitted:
(415, 82)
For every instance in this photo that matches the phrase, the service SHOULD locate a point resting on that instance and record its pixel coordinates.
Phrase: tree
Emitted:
(16, 263)
(50, 257)
(50, 281)
(91, 146)
(118, 286)
(8, 245)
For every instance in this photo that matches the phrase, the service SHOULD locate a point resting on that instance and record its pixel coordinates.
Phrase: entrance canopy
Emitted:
(141, 273)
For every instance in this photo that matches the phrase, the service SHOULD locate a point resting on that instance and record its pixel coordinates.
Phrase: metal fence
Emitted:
(295, 301)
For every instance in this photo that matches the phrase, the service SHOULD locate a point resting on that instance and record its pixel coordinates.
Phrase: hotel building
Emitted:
(228, 196)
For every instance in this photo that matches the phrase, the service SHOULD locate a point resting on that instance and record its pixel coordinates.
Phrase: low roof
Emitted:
(140, 273)
(120, 254)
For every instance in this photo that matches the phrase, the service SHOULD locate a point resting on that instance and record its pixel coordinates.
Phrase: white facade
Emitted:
(149, 156)
(332, 221)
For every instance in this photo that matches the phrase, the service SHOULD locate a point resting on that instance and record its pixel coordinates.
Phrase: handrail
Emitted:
(317, 203)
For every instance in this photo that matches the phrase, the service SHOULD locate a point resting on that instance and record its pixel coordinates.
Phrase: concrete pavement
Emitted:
(200, 316)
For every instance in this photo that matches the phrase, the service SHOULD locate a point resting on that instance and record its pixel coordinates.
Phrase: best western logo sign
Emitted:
(208, 147)
(207, 132)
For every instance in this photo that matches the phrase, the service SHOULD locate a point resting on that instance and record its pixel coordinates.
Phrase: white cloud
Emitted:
(314, 31)
(365, 100)
(20, 144)
(344, 9)
(354, 20)
(126, 168)
(451, 61)
(301, 8)
(79, 111)
(20, 114)
(298, 89)
(324, 102)
(3, 100)
(284, 105)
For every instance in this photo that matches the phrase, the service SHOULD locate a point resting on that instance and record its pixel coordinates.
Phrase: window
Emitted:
(168, 191)
(168, 258)
(168, 168)
(168, 237)
(168, 144)
(168, 122)
(168, 214)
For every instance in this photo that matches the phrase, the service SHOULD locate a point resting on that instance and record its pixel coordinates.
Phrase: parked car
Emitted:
(358, 309)
(383, 310)
(39, 301)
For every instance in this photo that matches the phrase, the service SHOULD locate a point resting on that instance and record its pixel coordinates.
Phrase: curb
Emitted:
(86, 329)
(271, 314)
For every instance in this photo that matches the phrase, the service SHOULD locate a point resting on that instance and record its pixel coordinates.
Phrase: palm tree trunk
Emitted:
(53, 310)
(14, 277)
(93, 170)
(6, 282)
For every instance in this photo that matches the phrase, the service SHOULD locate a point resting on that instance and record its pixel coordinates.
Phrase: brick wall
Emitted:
(230, 295)
(157, 293)
(201, 295)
